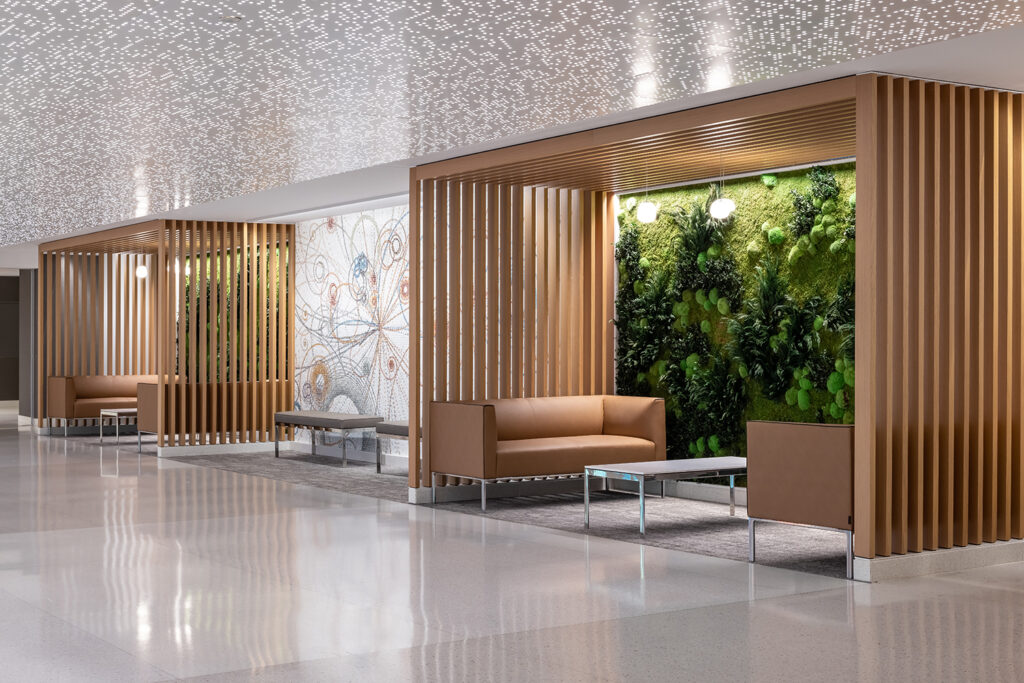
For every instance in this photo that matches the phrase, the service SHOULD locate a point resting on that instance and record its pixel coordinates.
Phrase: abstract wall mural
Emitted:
(352, 306)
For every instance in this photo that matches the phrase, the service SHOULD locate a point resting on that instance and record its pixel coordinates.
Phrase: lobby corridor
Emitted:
(115, 566)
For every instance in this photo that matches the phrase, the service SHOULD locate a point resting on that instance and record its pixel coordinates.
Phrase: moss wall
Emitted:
(747, 318)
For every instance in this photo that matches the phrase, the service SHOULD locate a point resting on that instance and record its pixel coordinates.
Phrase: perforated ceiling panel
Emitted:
(113, 109)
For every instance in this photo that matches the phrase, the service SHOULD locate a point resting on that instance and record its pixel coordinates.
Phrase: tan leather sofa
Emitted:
(531, 437)
(84, 396)
(149, 406)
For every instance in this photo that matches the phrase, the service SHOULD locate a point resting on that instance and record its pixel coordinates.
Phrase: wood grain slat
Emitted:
(490, 362)
(529, 311)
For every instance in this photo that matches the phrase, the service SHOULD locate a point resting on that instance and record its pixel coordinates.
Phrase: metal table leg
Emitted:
(586, 499)
(277, 440)
(312, 437)
(117, 430)
(378, 453)
(732, 495)
(344, 448)
(139, 433)
(433, 488)
(483, 495)
(643, 530)
(101, 429)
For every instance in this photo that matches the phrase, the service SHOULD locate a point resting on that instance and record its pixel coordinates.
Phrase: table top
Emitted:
(119, 411)
(325, 420)
(654, 468)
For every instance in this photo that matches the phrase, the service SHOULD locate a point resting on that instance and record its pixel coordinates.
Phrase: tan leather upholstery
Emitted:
(568, 454)
(525, 437)
(149, 413)
(537, 418)
(636, 416)
(83, 396)
(800, 473)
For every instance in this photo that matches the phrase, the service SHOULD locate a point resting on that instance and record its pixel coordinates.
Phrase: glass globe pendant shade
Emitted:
(722, 208)
(647, 212)
(141, 272)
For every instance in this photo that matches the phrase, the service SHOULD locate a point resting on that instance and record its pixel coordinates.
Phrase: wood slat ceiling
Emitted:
(800, 136)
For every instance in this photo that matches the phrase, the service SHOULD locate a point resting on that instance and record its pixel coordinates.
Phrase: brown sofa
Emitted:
(84, 396)
(535, 437)
(149, 413)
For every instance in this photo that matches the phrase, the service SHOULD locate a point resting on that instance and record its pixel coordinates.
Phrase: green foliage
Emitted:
(722, 341)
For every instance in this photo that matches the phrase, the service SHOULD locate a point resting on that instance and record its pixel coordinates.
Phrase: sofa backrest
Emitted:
(109, 386)
(538, 418)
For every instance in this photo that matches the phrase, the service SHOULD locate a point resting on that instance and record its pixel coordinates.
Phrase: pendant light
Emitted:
(646, 211)
(722, 207)
(141, 272)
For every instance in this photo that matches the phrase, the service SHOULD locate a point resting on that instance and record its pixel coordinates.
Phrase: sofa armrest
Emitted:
(60, 397)
(463, 439)
(641, 417)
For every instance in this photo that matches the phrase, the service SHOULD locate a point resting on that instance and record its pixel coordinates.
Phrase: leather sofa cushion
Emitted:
(109, 386)
(91, 407)
(568, 455)
(539, 418)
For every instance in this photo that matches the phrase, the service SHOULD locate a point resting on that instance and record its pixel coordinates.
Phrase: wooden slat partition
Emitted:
(939, 286)
(480, 240)
(212, 318)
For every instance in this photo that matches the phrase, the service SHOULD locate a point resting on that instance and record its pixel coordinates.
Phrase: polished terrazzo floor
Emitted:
(115, 566)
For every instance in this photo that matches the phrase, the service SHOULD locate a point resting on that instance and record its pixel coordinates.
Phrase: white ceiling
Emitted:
(112, 110)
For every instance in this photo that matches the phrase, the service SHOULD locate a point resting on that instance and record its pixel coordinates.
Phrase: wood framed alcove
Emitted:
(512, 280)
(213, 319)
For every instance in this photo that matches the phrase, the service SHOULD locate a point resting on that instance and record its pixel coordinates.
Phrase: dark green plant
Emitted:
(643, 315)
(824, 185)
(804, 212)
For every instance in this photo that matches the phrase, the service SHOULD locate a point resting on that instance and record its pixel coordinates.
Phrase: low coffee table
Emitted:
(665, 470)
(117, 414)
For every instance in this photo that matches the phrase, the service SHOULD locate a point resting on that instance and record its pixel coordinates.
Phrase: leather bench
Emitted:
(520, 438)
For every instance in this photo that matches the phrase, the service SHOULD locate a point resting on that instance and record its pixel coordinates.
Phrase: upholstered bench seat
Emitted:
(568, 454)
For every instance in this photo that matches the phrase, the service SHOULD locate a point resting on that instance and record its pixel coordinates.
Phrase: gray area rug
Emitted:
(673, 523)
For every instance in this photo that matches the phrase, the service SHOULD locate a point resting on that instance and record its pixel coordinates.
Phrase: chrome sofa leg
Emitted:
(433, 488)
(483, 495)
(849, 555)
(751, 542)
(378, 454)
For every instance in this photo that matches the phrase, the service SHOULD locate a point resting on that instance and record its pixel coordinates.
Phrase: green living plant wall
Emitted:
(749, 318)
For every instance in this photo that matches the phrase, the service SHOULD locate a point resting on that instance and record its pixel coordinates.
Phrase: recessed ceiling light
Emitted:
(231, 18)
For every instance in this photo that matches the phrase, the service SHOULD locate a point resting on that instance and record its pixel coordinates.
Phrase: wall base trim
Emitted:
(213, 449)
(941, 561)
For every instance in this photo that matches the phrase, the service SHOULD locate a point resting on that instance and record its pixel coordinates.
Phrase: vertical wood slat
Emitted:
(271, 318)
(540, 358)
(253, 339)
(516, 267)
(245, 301)
(178, 394)
(529, 311)
(493, 295)
(427, 220)
(201, 333)
(454, 292)
(480, 307)
(232, 358)
(468, 293)
(503, 289)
